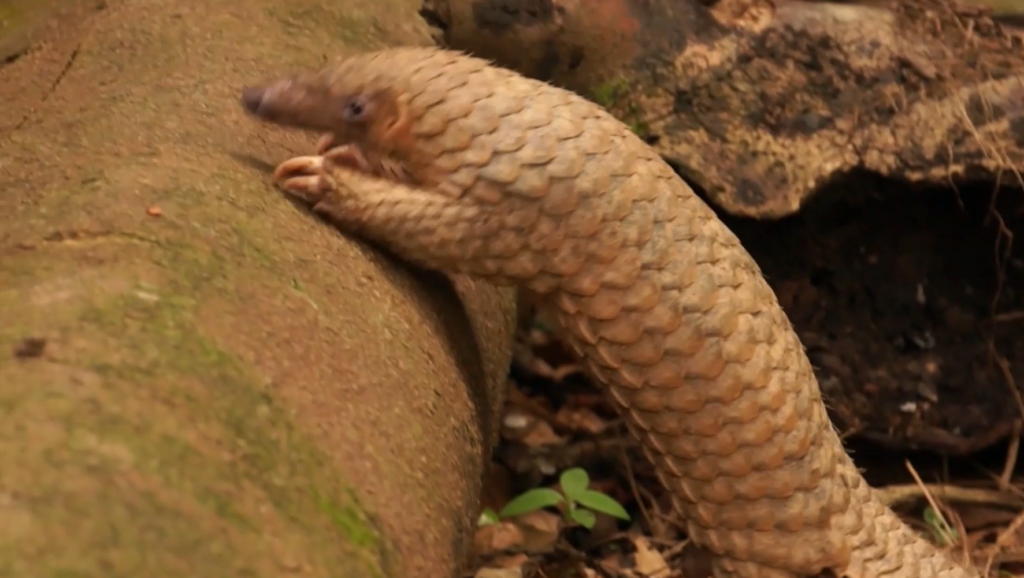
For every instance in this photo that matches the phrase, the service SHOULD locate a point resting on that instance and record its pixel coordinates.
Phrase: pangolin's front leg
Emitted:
(422, 226)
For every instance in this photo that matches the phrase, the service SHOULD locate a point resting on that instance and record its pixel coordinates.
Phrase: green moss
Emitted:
(305, 18)
(9, 13)
(252, 242)
(612, 95)
(350, 522)
(270, 449)
(67, 573)
(636, 122)
(20, 19)
(608, 93)
(12, 12)
(158, 453)
(1001, 6)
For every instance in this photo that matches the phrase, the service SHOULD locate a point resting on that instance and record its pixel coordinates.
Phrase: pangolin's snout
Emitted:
(252, 98)
(289, 103)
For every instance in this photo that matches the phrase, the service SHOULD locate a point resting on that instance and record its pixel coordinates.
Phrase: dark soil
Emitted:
(893, 293)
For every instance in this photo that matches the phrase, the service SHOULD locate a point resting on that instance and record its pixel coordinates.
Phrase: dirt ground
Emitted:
(909, 303)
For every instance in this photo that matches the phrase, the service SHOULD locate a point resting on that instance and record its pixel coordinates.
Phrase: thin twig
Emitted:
(1001, 540)
(1008, 316)
(633, 486)
(1011, 456)
(1011, 383)
(928, 496)
(892, 495)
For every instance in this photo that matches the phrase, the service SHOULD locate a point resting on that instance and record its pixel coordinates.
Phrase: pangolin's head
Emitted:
(362, 99)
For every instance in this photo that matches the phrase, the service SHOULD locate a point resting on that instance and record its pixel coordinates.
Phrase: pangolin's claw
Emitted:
(325, 143)
(347, 156)
(308, 177)
(304, 164)
(309, 188)
(304, 177)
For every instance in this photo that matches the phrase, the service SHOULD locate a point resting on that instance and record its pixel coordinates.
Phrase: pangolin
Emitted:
(464, 167)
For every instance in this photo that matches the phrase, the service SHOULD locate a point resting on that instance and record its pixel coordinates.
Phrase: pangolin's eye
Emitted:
(355, 109)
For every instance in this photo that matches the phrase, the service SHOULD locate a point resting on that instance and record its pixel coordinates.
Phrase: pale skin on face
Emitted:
(371, 121)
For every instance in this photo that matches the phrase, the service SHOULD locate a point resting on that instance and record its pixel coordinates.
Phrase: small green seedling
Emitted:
(943, 533)
(487, 518)
(577, 502)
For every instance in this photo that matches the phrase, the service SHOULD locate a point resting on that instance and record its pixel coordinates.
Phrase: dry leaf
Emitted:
(541, 434)
(497, 537)
(540, 530)
(512, 561)
(982, 517)
(515, 572)
(580, 419)
(648, 561)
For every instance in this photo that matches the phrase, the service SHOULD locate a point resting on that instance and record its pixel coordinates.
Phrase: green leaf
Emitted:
(942, 532)
(530, 500)
(602, 503)
(487, 518)
(574, 482)
(585, 518)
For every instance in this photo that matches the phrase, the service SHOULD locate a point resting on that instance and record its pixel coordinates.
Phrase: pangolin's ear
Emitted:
(399, 118)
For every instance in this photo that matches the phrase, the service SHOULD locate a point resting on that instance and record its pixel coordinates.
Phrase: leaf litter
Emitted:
(557, 420)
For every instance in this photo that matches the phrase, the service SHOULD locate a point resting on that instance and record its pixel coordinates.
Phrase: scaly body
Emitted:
(468, 168)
